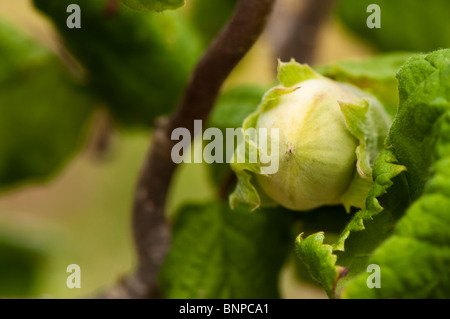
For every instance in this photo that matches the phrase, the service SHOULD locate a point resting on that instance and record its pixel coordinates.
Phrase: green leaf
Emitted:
(405, 25)
(210, 16)
(407, 242)
(20, 267)
(386, 169)
(320, 260)
(376, 75)
(219, 253)
(291, 73)
(234, 105)
(43, 111)
(230, 110)
(415, 260)
(424, 97)
(354, 245)
(153, 5)
(137, 62)
(369, 124)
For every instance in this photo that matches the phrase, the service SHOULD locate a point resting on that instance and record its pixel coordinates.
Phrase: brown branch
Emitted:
(299, 36)
(151, 230)
(228, 184)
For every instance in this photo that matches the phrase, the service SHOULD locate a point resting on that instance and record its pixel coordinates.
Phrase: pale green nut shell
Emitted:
(317, 157)
(329, 136)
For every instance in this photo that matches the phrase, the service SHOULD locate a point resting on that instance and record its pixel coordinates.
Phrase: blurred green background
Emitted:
(83, 214)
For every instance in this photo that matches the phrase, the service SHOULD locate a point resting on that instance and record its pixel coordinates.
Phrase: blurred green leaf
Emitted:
(20, 266)
(230, 110)
(376, 75)
(219, 253)
(138, 62)
(153, 5)
(43, 111)
(406, 25)
(234, 105)
(210, 16)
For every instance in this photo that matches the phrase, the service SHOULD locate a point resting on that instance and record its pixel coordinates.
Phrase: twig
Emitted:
(300, 36)
(228, 183)
(151, 230)
(102, 136)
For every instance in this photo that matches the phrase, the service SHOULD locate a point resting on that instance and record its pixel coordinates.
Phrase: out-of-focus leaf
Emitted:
(231, 108)
(375, 75)
(138, 62)
(406, 25)
(153, 5)
(43, 111)
(210, 16)
(219, 253)
(234, 105)
(20, 265)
